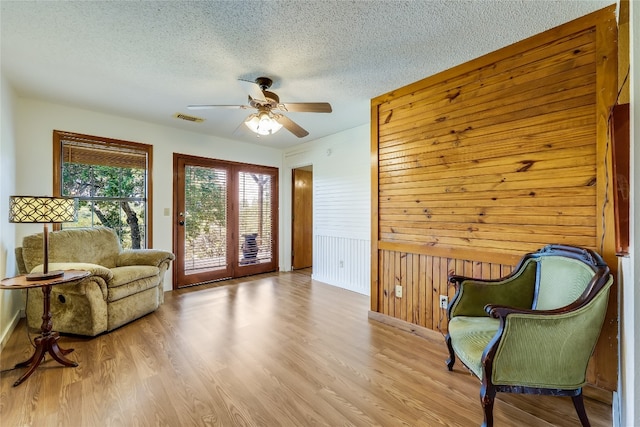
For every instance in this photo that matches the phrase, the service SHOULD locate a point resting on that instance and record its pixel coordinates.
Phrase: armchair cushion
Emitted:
(71, 246)
(474, 334)
(131, 280)
(574, 275)
(131, 273)
(515, 290)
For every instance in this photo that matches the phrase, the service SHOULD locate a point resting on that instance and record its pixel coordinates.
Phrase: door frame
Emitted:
(233, 269)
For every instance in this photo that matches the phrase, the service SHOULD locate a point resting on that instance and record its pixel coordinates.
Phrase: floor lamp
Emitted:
(45, 210)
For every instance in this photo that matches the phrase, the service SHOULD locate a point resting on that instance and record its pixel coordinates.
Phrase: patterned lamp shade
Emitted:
(42, 209)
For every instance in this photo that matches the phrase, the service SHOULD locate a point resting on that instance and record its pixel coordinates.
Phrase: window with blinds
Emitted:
(110, 179)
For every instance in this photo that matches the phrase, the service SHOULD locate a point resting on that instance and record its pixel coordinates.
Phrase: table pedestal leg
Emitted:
(47, 342)
(44, 344)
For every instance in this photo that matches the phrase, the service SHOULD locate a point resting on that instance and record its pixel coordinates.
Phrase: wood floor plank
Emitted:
(278, 349)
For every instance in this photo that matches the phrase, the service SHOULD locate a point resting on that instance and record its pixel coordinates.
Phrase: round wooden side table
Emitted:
(47, 341)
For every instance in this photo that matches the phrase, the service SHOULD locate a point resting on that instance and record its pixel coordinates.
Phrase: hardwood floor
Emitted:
(271, 350)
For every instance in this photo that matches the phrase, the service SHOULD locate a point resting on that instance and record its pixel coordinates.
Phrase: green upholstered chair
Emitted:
(534, 330)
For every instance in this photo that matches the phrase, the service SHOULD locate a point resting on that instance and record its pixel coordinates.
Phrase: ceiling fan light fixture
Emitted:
(263, 123)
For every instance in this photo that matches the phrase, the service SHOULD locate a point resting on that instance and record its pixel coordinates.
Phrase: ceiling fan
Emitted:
(266, 121)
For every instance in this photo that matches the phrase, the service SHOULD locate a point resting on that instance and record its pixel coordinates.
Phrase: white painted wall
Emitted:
(629, 366)
(10, 301)
(37, 119)
(341, 207)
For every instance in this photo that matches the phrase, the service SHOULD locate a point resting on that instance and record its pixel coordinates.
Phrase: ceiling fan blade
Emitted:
(253, 90)
(306, 107)
(291, 126)
(207, 107)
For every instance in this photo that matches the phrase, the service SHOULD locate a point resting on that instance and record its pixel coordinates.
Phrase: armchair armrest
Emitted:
(501, 311)
(515, 290)
(94, 269)
(154, 257)
(100, 276)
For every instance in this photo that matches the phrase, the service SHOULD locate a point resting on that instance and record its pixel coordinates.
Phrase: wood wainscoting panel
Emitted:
(423, 279)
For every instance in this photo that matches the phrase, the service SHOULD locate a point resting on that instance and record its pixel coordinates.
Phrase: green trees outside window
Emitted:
(110, 179)
(110, 196)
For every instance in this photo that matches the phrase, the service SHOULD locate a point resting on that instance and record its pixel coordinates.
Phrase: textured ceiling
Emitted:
(149, 60)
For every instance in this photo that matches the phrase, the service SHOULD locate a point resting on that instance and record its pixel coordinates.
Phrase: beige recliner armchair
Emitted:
(123, 286)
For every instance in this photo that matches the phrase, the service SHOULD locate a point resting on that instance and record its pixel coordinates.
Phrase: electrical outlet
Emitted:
(398, 291)
(444, 301)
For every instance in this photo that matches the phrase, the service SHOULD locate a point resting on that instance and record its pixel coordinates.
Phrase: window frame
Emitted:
(60, 136)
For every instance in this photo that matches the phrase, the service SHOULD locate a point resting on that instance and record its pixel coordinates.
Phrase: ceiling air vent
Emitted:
(188, 118)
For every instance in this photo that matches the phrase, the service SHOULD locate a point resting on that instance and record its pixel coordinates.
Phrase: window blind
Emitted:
(103, 155)
(255, 222)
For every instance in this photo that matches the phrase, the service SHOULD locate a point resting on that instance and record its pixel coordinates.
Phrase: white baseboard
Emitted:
(6, 333)
(339, 284)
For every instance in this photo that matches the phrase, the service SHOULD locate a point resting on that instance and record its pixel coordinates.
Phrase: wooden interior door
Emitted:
(302, 219)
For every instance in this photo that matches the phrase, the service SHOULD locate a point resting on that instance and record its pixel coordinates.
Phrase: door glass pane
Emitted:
(205, 219)
(254, 215)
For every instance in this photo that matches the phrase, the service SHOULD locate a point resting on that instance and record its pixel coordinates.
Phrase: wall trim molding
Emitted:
(13, 324)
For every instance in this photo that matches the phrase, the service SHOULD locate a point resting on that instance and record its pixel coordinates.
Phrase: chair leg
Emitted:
(487, 396)
(578, 403)
(452, 356)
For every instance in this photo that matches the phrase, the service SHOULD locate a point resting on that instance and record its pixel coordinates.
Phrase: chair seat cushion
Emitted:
(131, 280)
(469, 338)
(125, 275)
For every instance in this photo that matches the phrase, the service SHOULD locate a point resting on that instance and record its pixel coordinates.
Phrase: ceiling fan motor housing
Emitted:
(272, 100)
(264, 82)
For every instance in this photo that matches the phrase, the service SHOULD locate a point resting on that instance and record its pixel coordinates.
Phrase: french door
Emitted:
(225, 219)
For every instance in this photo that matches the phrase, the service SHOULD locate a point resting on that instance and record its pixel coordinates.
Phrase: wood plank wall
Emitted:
(424, 279)
(479, 164)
